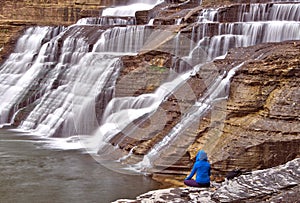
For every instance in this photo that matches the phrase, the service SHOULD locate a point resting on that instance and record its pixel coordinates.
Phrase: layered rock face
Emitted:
(261, 128)
(16, 15)
(256, 128)
(51, 12)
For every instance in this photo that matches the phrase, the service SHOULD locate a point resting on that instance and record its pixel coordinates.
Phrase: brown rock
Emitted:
(262, 127)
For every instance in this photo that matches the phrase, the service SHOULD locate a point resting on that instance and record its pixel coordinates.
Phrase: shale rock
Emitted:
(15, 16)
(262, 113)
(257, 127)
(278, 184)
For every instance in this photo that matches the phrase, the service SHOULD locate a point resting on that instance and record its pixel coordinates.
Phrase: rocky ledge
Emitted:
(277, 184)
(256, 128)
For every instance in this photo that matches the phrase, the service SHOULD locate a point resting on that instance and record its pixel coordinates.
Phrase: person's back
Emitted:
(202, 169)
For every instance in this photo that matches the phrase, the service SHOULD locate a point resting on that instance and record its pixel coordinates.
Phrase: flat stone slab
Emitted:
(270, 185)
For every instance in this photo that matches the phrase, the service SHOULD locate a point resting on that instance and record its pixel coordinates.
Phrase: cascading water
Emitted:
(128, 39)
(218, 89)
(17, 74)
(275, 24)
(68, 70)
(70, 51)
(267, 12)
(73, 96)
(120, 15)
(121, 112)
(131, 9)
(107, 21)
(256, 23)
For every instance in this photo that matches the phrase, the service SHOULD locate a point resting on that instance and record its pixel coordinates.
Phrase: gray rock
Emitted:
(278, 184)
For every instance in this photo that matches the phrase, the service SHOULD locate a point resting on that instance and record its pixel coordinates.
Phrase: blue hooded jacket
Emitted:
(201, 168)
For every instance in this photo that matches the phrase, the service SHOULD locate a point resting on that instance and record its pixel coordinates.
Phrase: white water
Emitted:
(229, 35)
(247, 34)
(217, 90)
(261, 24)
(122, 39)
(22, 66)
(68, 108)
(106, 21)
(121, 112)
(72, 105)
(265, 12)
(131, 9)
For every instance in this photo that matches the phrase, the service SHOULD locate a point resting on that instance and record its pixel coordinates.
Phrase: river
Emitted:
(32, 172)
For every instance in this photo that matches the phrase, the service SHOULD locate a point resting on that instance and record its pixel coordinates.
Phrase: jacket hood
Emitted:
(201, 155)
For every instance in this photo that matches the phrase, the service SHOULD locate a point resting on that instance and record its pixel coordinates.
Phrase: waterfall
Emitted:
(269, 12)
(131, 9)
(216, 91)
(128, 39)
(17, 74)
(120, 15)
(71, 106)
(261, 24)
(61, 81)
(246, 34)
(68, 108)
(107, 21)
(121, 112)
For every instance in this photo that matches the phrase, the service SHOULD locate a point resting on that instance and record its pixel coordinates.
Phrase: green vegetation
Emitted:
(4, 30)
(161, 69)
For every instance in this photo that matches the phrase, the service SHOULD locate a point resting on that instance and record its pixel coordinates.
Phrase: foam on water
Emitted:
(131, 9)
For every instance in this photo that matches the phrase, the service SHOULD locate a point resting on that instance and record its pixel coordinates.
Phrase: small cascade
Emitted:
(82, 75)
(131, 9)
(18, 72)
(207, 15)
(242, 35)
(121, 112)
(107, 21)
(128, 39)
(263, 23)
(217, 90)
(270, 12)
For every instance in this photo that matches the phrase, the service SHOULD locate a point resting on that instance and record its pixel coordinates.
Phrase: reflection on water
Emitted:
(31, 173)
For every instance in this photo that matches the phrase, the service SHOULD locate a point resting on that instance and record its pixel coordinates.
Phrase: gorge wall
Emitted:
(261, 128)
(15, 15)
(256, 128)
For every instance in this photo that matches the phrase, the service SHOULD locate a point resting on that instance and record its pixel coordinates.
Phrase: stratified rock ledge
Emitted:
(278, 184)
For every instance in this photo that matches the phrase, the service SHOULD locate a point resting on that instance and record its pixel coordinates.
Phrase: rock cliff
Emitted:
(261, 128)
(257, 127)
(18, 14)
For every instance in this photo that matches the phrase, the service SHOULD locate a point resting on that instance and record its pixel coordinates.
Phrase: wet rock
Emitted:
(15, 16)
(278, 184)
(262, 123)
(261, 184)
(8, 37)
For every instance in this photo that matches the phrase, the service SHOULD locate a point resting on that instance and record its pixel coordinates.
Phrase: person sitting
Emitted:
(202, 169)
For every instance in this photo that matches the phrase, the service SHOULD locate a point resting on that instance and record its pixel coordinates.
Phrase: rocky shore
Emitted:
(273, 185)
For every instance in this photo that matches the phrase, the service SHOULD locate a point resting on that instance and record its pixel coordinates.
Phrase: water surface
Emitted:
(29, 172)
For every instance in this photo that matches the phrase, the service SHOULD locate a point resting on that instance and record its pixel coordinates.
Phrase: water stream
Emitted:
(31, 173)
